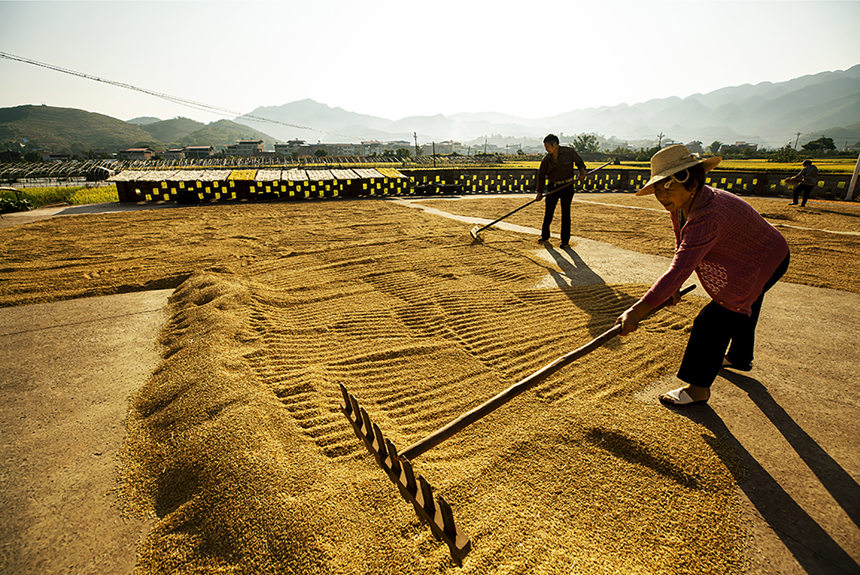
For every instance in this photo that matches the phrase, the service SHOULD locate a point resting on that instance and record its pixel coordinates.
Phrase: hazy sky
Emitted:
(401, 58)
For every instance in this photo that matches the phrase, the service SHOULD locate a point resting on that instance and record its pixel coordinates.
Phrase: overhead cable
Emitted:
(175, 99)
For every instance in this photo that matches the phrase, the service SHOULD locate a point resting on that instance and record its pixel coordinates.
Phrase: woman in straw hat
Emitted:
(736, 254)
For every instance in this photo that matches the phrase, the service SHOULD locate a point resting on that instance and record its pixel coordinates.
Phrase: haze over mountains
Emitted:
(769, 114)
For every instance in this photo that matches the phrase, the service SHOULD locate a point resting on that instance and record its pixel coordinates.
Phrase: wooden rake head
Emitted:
(417, 491)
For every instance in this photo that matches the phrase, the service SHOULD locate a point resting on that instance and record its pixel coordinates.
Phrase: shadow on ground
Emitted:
(574, 272)
(809, 543)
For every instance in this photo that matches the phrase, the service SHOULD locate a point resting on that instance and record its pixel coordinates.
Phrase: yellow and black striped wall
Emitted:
(280, 184)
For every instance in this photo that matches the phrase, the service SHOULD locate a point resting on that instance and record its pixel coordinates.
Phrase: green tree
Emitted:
(623, 153)
(742, 151)
(320, 153)
(644, 155)
(822, 144)
(586, 143)
(715, 146)
(402, 153)
(786, 154)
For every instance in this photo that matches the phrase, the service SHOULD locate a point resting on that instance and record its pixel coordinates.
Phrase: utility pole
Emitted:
(434, 154)
(797, 137)
(485, 146)
(415, 135)
(660, 140)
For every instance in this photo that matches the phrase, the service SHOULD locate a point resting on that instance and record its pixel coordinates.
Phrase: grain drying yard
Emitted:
(237, 459)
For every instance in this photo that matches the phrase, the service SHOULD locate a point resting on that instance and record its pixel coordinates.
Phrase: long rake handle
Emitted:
(491, 224)
(505, 396)
(527, 204)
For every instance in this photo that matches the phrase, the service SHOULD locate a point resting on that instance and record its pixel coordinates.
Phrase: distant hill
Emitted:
(329, 124)
(74, 131)
(172, 131)
(766, 113)
(68, 129)
(842, 136)
(144, 120)
(224, 132)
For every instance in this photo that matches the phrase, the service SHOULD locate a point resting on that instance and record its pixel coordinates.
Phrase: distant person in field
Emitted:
(806, 179)
(557, 166)
(737, 256)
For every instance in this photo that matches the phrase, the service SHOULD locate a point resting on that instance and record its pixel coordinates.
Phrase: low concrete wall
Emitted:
(487, 181)
(434, 181)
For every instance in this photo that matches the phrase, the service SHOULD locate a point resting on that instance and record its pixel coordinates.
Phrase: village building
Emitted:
(446, 148)
(197, 152)
(135, 154)
(291, 148)
(245, 148)
(174, 154)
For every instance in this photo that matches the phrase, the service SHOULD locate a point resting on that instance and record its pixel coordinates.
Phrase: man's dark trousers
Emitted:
(799, 189)
(551, 199)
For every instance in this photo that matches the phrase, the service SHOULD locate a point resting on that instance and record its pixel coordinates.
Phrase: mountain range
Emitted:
(767, 113)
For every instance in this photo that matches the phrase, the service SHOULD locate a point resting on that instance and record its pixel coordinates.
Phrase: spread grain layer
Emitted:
(819, 257)
(238, 450)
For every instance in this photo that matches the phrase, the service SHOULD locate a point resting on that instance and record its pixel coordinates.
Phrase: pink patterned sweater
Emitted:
(732, 249)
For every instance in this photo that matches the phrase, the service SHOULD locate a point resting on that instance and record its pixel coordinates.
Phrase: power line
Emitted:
(175, 99)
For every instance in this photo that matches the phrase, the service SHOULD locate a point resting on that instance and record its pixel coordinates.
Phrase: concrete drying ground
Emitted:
(69, 368)
(68, 371)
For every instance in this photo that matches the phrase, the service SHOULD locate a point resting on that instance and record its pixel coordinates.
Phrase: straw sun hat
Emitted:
(673, 159)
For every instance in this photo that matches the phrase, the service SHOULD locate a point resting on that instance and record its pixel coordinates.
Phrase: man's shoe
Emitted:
(543, 241)
(564, 245)
(730, 365)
